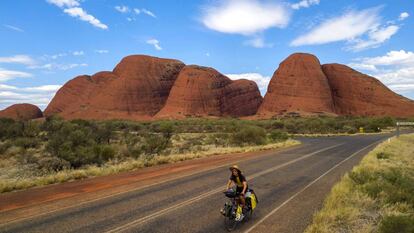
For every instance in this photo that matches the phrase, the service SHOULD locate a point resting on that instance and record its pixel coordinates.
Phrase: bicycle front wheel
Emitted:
(230, 223)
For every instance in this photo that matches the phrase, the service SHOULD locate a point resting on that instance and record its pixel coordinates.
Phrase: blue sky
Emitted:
(45, 43)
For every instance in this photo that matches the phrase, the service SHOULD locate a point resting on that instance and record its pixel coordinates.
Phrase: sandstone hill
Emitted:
(201, 91)
(298, 85)
(146, 88)
(302, 86)
(21, 112)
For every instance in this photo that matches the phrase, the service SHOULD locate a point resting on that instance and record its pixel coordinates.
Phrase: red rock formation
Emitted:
(298, 85)
(76, 95)
(21, 112)
(202, 91)
(355, 93)
(136, 89)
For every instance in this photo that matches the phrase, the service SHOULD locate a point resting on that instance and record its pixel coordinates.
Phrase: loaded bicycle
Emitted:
(232, 210)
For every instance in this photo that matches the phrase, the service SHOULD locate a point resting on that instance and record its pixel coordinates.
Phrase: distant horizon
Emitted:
(46, 43)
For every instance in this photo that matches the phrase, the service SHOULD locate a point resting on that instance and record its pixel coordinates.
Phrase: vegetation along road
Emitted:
(186, 197)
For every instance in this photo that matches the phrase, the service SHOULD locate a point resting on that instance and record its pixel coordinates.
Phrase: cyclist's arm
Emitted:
(244, 187)
(228, 184)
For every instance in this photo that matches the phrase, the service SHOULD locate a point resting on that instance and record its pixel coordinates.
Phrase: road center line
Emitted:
(214, 191)
(307, 186)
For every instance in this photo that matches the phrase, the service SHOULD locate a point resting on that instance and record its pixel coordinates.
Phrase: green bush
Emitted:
(249, 135)
(52, 164)
(277, 135)
(383, 155)
(26, 143)
(4, 146)
(154, 144)
(397, 224)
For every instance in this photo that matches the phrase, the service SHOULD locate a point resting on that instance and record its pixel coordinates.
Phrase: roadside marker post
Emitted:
(403, 124)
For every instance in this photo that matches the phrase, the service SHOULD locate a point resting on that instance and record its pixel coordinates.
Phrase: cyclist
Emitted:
(241, 187)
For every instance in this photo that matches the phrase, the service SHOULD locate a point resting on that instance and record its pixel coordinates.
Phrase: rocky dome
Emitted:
(298, 85)
(358, 94)
(202, 91)
(136, 89)
(21, 112)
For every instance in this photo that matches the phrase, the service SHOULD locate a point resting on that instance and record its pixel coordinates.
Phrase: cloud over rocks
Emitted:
(261, 81)
(155, 43)
(395, 69)
(38, 95)
(359, 29)
(245, 17)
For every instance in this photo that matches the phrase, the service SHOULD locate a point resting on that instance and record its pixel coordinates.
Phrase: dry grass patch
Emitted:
(113, 167)
(376, 196)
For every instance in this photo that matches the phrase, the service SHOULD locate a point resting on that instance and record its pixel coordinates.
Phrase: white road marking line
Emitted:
(194, 199)
(307, 186)
(122, 192)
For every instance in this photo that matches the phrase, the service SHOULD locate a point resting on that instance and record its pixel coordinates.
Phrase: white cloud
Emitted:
(375, 38)
(403, 16)
(246, 17)
(137, 11)
(64, 3)
(44, 88)
(12, 74)
(78, 12)
(20, 59)
(72, 8)
(261, 81)
(147, 12)
(347, 27)
(258, 42)
(78, 53)
(304, 4)
(14, 28)
(401, 58)
(395, 69)
(122, 9)
(155, 43)
(101, 51)
(7, 87)
(55, 66)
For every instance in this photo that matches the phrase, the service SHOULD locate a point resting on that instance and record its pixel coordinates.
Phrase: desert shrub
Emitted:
(383, 155)
(52, 124)
(249, 135)
(218, 139)
(349, 129)
(10, 129)
(166, 129)
(24, 157)
(397, 223)
(52, 164)
(103, 153)
(277, 135)
(4, 146)
(154, 144)
(104, 133)
(26, 142)
(75, 144)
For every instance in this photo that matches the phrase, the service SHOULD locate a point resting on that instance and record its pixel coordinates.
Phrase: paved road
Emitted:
(291, 185)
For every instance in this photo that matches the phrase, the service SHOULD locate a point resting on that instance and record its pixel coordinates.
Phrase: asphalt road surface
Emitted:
(291, 185)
